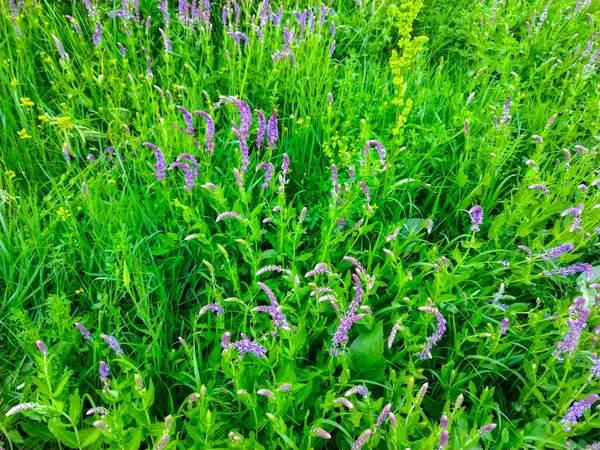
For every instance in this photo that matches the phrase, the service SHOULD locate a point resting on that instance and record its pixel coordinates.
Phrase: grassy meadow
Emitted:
(265, 224)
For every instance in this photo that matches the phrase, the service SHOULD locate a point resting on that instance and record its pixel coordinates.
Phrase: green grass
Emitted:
(108, 245)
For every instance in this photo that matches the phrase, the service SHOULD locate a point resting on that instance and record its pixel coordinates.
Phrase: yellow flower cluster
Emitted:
(26, 101)
(341, 146)
(403, 58)
(23, 134)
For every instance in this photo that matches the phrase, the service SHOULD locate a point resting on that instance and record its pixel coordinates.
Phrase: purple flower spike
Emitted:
(576, 326)
(214, 307)
(435, 337)
(362, 440)
(42, 347)
(384, 414)
(225, 338)
(189, 174)
(279, 319)
(122, 49)
(504, 325)
(555, 252)
(321, 433)
(247, 346)
(393, 333)
(572, 270)
(160, 165)
(380, 150)
(97, 38)
(104, 371)
(84, 332)
(163, 6)
(319, 269)
(476, 213)
(112, 343)
(75, 24)
(332, 48)
(61, 51)
(192, 160)
(541, 187)
(272, 133)
(577, 410)
(444, 437)
(366, 191)
(285, 165)
(486, 428)
(595, 369)
(269, 168)
(189, 123)
(243, 148)
(229, 215)
(238, 178)
(166, 41)
(238, 37)
(210, 130)
(340, 337)
(262, 125)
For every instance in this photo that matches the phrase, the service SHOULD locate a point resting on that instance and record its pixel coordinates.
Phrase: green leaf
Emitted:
(88, 436)
(366, 355)
(37, 430)
(75, 407)
(126, 277)
(135, 440)
(68, 438)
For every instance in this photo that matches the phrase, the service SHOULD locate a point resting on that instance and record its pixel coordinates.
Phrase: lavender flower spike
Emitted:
(61, 50)
(572, 270)
(435, 337)
(167, 41)
(42, 347)
(262, 125)
(486, 428)
(319, 269)
(279, 319)
(476, 213)
(272, 132)
(189, 123)
(20, 408)
(384, 414)
(504, 325)
(393, 333)
(350, 318)
(192, 160)
(84, 331)
(112, 343)
(380, 151)
(541, 187)
(269, 168)
(555, 252)
(576, 411)
(104, 371)
(97, 38)
(214, 307)
(321, 433)
(344, 402)
(576, 326)
(229, 215)
(243, 148)
(189, 174)
(247, 346)
(362, 440)
(360, 389)
(210, 130)
(160, 165)
(444, 437)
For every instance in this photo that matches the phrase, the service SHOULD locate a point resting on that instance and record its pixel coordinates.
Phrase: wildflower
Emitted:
(555, 252)
(229, 215)
(268, 167)
(225, 339)
(538, 139)
(392, 236)
(384, 414)
(149, 74)
(262, 125)
(238, 37)
(504, 325)
(266, 393)
(505, 119)
(576, 325)
(541, 187)
(444, 422)
(61, 50)
(101, 425)
(84, 332)
(42, 347)
(160, 164)
(166, 41)
(573, 269)
(285, 165)
(272, 133)
(459, 401)
(189, 174)
(193, 161)
(20, 408)
(576, 411)
(366, 191)
(380, 150)
(360, 389)
(330, 98)
(210, 130)
(247, 346)
(362, 440)
(595, 369)
(321, 433)
(139, 382)
(243, 148)
(271, 268)
(188, 120)
(525, 249)
(444, 437)
(344, 402)
(112, 343)
(97, 410)
(393, 332)
(319, 269)
(162, 444)
(122, 49)
(476, 213)
(286, 387)
(434, 338)
(429, 226)
(104, 371)
(279, 319)
(74, 23)
(214, 307)
(23, 134)
(97, 38)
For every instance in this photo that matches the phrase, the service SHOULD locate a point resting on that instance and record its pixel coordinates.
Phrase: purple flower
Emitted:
(75, 24)
(167, 42)
(333, 30)
(268, 168)
(262, 125)
(272, 133)
(61, 50)
(285, 165)
(148, 22)
(321, 433)
(393, 332)
(279, 319)
(444, 436)
(595, 369)
(104, 371)
(245, 114)
(238, 177)
(189, 174)
(160, 161)
(189, 123)
(238, 37)
(66, 152)
(42, 347)
(541, 187)
(344, 402)
(214, 307)
(537, 139)
(112, 343)
(486, 428)
(84, 332)
(97, 34)
(192, 160)
(259, 33)
(276, 18)
(362, 440)
(380, 150)
(286, 387)
(429, 226)
(555, 252)
(229, 215)
(506, 111)
(340, 224)
(435, 337)
(163, 6)
(210, 130)
(319, 269)
(576, 411)
(122, 49)
(266, 393)
(504, 325)
(476, 213)
(350, 318)
(384, 414)
(572, 270)
(332, 48)
(444, 422)
(149, 73)
(366, 191)
(576, 326)
(247, 346)
(225, 338)
(243, 148)
(330, 98)
(525, 249)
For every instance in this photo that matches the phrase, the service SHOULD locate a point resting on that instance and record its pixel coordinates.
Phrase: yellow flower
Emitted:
(43, 118)
(10, 174)
(14, 82)
(79, 291)
(23, 134)
(63, 213)
(26, 101)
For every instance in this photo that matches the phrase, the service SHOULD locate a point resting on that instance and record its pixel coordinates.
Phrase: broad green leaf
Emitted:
(366, 355)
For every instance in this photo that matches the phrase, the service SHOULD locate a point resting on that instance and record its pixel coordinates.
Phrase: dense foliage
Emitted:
(295, 225)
